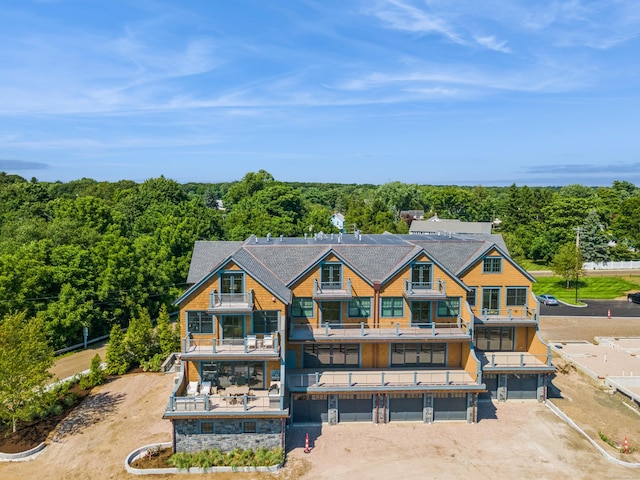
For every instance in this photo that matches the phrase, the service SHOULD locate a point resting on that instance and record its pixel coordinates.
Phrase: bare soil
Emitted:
(517, 439)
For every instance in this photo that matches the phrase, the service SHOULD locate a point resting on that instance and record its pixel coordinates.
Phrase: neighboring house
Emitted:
(348, 328)
(337, 220)
(413, 214)
(436, 225)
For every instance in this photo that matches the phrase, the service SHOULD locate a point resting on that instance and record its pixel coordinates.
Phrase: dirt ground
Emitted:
(518, 439)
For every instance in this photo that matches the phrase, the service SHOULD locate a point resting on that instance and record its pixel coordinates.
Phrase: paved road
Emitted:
(594, 308)
(80, 361)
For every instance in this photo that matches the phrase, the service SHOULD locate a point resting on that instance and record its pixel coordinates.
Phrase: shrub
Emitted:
(154, 364)
(235, 458)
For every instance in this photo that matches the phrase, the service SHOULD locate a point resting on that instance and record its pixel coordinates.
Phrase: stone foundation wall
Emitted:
(228, 435)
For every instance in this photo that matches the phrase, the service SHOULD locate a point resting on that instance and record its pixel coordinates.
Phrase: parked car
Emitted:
(633, 297)
(548, 300)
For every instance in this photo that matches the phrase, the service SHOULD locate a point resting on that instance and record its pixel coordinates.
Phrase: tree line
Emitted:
(94, 254)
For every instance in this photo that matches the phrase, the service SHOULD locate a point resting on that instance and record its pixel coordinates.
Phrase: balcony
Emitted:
(523, 315)
(230, 303)
(425, 290)
(328, 291)
(255, 403)
(378, 381)
(515, 362)
(253, 346)
(362, 332)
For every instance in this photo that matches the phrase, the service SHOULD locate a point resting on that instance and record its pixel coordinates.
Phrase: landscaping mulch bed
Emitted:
(158, 459)
(32, 434)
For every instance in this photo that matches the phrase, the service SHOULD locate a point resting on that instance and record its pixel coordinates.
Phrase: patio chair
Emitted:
(205, 388)
(192, 388)
(267, 342)
(252, 342)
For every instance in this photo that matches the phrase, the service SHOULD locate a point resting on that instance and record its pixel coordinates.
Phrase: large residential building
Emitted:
(347, 328)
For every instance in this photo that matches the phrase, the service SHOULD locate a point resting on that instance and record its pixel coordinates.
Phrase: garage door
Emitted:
(309, 409)
(522, 386)
(355, 408)
(491, 381)
(450, 407)
(406, 408)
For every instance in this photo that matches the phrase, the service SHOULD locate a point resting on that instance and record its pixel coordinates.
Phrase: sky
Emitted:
(431, 92)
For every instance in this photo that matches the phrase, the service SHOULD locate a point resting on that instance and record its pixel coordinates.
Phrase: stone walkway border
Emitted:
(139, 452)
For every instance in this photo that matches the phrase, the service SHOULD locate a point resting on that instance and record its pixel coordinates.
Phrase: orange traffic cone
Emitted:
(306, 444)
(626, 445)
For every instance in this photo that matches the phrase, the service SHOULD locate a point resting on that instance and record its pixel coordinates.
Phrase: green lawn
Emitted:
(594, 288)
(533, 265)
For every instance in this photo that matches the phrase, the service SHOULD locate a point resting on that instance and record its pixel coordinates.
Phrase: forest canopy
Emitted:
(91, 254)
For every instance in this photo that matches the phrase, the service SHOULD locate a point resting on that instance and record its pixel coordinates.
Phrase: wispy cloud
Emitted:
(492, 43)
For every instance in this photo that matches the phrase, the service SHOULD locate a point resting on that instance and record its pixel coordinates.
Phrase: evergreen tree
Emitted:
(168, 336)
(594, 244)
(139, 339)
(25, 359)
(96, 374)
(117, 357)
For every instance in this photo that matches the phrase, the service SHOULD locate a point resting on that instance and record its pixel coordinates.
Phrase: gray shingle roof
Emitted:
(277, 262)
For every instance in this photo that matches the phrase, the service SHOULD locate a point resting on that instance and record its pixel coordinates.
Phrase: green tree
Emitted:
(567, 263)
(117, 358)
(168, 335)
(594, 244)
(25, 359)
(139, 339)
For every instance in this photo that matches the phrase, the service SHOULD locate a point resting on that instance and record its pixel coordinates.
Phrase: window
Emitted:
(231, 285)
(492, 265)
(302, 307)
(516, 296)
(495, 338)
(331, 312)
(471, 296)
(206, 427)
(418, 354)
(336, 356)
(249, 427)
(491, 301)
(265, 321)
(392, 307)
(223, 374)
(331, 276)
(420, 312)
(360, 307)
(449, 307)
(199, 322)
(421, 275)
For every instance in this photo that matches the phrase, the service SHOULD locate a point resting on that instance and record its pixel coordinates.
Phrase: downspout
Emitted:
(376, 306)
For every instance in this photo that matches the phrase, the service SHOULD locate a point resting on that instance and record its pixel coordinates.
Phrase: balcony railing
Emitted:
(332, 290)
(251, 345)
(393, 332)
(385, 380)
(425, 290)
(512, 315)
(230, 302)
(497, 360)
(253, 403)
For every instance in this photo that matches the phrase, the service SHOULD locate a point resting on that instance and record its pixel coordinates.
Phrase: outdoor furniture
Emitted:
(192, 388)
(267, 341)
(205, 388)
(251, 342)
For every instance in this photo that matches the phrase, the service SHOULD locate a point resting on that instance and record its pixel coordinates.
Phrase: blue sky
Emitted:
(419, 91)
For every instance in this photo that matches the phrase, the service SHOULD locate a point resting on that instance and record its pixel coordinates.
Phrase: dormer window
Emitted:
(421, 275)
(232, 285)
(492, 265)
(331, 276)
